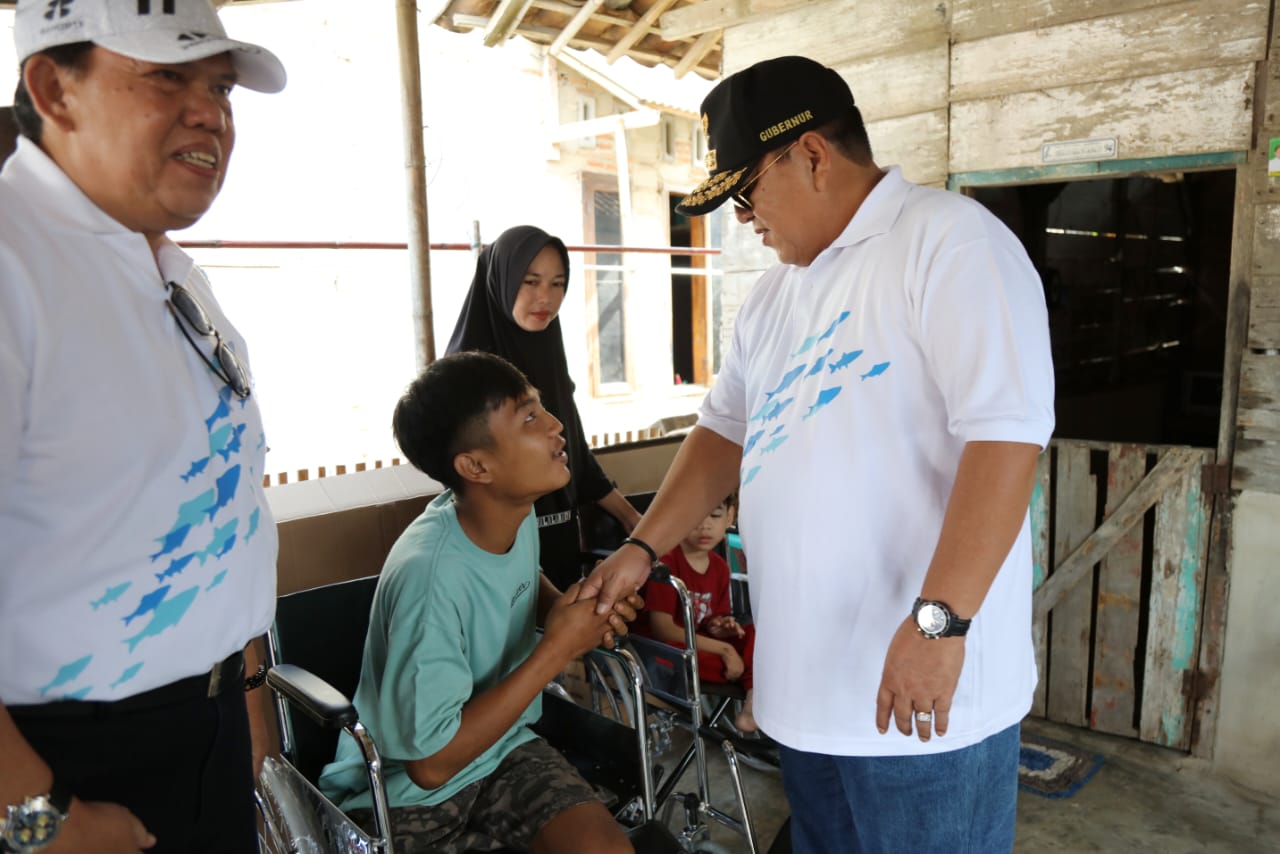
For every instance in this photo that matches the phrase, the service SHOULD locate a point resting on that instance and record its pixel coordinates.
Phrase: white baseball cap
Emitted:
(169, 31)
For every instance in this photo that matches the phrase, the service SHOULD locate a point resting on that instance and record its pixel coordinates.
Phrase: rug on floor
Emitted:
(1053, 769)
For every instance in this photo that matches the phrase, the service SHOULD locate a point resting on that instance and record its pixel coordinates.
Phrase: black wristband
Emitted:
(653, 556)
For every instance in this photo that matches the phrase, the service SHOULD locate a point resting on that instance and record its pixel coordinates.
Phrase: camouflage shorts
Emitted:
(529, 788)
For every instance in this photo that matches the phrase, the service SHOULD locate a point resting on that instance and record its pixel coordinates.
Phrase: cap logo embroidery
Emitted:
(58, 8)
(710, 159)
(192, 37)
(786, 125)
(166, 7)
(706, 124)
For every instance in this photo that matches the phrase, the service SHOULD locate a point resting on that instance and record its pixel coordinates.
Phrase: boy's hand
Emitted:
(573, 624)
(733, 664)
(624, 611)
(724, 627)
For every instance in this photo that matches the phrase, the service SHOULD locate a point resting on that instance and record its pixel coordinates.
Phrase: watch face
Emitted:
(32, 826)
(931, 619)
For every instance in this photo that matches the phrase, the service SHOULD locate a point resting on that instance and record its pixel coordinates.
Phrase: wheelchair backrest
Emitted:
(323, 630)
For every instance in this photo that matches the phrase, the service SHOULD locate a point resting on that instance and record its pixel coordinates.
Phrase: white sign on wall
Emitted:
(1079, 150)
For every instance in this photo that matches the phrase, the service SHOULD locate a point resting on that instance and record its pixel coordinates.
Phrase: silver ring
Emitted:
(924, 716)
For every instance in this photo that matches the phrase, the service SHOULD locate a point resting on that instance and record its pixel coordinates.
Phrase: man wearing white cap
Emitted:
(139, 551)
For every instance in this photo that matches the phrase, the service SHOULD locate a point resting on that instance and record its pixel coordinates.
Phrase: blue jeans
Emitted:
(960, 802)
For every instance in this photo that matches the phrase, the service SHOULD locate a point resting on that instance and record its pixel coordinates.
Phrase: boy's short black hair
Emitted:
(731, 502)
(445, 411)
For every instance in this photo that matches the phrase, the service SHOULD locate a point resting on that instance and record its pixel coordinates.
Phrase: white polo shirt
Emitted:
(136, 545)
(853, 386)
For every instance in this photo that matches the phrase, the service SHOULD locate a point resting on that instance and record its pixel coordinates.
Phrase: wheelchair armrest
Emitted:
(323, 703)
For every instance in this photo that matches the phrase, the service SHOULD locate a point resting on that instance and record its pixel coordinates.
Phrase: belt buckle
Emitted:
(215, 680)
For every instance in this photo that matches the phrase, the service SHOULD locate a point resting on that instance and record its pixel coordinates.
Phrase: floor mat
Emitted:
(1053, 769)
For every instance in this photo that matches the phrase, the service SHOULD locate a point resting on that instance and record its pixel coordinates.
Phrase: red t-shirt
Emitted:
(709, 591)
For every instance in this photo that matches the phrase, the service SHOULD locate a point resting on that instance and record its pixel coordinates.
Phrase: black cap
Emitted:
(757, 110)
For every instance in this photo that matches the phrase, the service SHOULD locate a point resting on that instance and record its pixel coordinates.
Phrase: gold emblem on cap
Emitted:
(714, 187)
(710, 159)
(706, 124)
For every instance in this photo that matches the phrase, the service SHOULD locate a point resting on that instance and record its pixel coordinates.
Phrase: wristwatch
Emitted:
(936, 620)
(31, 825)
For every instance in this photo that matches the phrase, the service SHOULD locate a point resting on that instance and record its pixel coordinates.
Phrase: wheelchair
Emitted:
(680, 699)
(314, 653)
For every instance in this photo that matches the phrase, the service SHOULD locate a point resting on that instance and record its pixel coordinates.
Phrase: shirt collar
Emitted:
(44, 186)
(878, 211)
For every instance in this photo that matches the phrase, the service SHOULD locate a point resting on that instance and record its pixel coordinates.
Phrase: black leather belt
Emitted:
(226, 675)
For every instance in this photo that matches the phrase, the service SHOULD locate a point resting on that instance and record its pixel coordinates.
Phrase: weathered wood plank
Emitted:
(916, 143)
(1264, 313)
(1259, 424)
(899, 85)
(1137, 44)
(1040, 564)
(697, 18)
(1071, 624)
(1173, 626)
(1257, 466)
(1188, 112)
(1266, 239)
(1260, 382)
(1119, 604)
(978, 19)
(1173, 465)
(836, 32)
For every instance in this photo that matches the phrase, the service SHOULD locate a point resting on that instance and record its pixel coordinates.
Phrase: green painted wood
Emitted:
(1093, 169)
(1180, 542)
(1071, 620)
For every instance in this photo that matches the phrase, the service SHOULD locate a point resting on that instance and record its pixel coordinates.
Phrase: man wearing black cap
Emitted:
(139, 551)
(885, 397)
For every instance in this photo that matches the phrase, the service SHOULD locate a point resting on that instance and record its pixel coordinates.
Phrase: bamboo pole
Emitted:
(415, 179)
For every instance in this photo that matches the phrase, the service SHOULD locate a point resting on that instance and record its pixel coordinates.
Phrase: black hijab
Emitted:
(487, 323)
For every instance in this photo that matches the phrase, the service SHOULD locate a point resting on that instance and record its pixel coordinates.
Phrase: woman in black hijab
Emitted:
(512, 310)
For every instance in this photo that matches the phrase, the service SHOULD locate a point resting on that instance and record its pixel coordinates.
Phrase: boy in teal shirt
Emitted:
(452, 674)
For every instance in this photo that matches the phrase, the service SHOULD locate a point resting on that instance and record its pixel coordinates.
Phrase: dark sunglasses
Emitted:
(184, 306)
(742, 196)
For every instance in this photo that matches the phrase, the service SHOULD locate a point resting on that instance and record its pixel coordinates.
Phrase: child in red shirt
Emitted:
(724, 647)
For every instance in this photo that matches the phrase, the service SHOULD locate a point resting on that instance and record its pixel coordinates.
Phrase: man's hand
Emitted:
(733, 663)
(100, 827)
(573, 624)
(724, 627)
(920, 675)
(616, 577)
(624, 611)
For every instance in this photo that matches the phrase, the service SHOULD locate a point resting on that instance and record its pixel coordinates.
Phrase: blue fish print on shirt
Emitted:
(226, 483)
(804, 348)
(224, 538)
(217, 579)
(817, 365)
(175, 566)
(831, 330)
(78, 695)
(253, 524)
(751, 475)
(777, 410)
(68, 673)
(196, 467)
(751, 442)
(190, 512)
(233, 447)
(222, 411)
(774, 445)
(262, 442)
(876, 370)
(128, 674)
(219, 438)
(148, 603)
(170, 613)
(112, 594)
(792, 376)
(845, 361)
(778, 429)
(171, 541)
(824, 397)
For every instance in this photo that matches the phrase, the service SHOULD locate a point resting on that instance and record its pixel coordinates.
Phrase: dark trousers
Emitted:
(184, 768)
